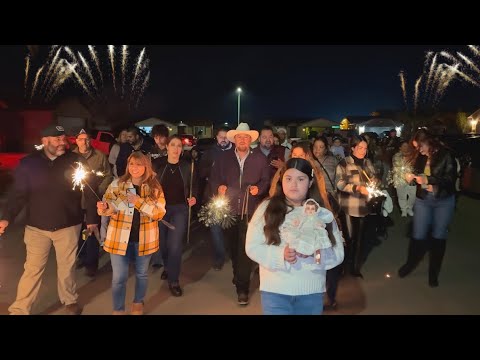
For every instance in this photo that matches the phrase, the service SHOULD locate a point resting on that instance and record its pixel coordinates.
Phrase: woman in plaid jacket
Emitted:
(135, 203)
(353, 174)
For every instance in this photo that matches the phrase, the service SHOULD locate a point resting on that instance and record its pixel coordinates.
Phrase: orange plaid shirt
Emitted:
(121, 217)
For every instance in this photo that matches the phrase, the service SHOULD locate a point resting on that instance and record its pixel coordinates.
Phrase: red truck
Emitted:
(20, 132)
(101, 140)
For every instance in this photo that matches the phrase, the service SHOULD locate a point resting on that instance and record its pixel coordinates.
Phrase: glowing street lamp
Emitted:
(239, 92)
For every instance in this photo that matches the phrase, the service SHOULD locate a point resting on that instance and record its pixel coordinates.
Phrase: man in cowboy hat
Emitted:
(242, 176)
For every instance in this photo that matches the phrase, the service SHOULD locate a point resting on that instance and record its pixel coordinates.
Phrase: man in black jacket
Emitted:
(206, 165)
(54, 216)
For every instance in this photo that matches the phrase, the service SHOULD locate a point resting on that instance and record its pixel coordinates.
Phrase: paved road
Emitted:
(208, 292)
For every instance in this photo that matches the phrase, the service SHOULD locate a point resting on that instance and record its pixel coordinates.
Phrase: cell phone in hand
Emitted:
(131, 191)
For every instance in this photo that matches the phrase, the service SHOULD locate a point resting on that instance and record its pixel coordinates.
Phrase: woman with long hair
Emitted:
(291, 283)
(353, 174)
(135, 203)
(435, 172)
(177, 179)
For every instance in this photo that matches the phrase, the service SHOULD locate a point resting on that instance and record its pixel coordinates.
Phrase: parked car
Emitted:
(188, 141)
(204, 144)
(101, 140)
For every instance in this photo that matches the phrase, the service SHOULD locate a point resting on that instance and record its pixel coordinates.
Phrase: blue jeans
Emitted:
(120, 275)
(434, 213)
(278, 304)
(171, 241)
(218, 244)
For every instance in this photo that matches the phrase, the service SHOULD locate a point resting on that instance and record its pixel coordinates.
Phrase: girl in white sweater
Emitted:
(290, 283)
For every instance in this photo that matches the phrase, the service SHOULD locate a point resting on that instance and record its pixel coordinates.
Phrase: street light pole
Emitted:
(239, 92)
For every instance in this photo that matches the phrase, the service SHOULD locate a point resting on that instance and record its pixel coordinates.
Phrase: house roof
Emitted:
(475, 115)
(379, 122)
(154, 121)
(321, 122)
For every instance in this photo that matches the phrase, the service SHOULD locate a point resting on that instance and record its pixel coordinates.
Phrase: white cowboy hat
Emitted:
(242, 128)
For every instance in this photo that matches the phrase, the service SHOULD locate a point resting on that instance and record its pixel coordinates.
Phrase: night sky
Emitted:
(279, 81)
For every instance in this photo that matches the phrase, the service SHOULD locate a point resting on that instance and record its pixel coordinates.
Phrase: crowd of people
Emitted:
(304, 214)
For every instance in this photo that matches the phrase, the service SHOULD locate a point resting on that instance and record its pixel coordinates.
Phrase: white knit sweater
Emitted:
(277, 275)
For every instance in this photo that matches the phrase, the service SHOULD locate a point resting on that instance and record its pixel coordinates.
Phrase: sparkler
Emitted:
(79, 179)
(216, 212)
(372, 188)
(396, 176)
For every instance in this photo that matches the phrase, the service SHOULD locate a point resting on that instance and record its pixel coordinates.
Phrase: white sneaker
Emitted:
(410, 212)
(404, 213)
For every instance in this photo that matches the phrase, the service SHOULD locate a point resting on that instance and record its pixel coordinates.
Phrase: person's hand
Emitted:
(302, 255)
(93, 229)
(409, 177)
(132, 198)
(362, 190)
(254, 190)
(102, 206)
(277, 163)
(222, 190)
(191, 201)
(419, 180)
(3, 226)
(290, 255)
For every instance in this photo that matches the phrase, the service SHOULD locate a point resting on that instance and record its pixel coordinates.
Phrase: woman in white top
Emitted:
(290, 283)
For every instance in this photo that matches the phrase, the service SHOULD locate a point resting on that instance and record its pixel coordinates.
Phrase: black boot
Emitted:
(416, 252)
(437, 252)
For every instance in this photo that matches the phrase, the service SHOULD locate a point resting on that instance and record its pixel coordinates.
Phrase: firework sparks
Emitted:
(401, 168)
(217, 212)
(79, 175)
(469, 62)
(138, 68)
(402, 85)
(88, 71)
(71, 54)
(111, 55)
(93, 54)
(474, 49)
(53, 65)
(417, 88)
(142, 89)
(124, 66)
(79, 178)
(35, 84)
(27, 69)
(71, 68)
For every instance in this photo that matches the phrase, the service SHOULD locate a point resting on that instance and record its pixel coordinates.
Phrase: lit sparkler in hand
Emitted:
(79, 178)
(397, 176)
(372, 188)
(216, 212)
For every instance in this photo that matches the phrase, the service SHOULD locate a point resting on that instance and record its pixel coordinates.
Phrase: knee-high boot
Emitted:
(437, 251)
(416, 252)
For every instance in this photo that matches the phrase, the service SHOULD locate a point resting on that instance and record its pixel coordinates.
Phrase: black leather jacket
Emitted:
(159, 165)
(443, 171)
